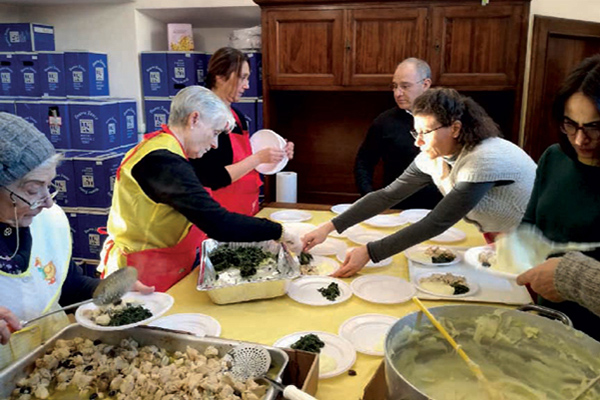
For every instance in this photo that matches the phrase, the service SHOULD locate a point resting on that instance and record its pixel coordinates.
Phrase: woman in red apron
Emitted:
(229, 169)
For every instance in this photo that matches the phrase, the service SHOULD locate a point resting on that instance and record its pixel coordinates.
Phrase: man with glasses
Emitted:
(388, 139)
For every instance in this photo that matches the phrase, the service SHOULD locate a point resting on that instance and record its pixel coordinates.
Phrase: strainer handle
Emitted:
(291, 392)
(547, 312)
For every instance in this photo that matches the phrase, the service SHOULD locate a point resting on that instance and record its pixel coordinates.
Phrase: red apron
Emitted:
(242, 195)
(164, 267)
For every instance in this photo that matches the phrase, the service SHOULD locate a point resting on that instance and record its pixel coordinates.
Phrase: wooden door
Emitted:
(476, 46)
(377, 39)
(558, 46)
(305, 47)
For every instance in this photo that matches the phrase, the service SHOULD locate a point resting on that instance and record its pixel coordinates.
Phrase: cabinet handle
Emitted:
(348, 45)
(437, 47)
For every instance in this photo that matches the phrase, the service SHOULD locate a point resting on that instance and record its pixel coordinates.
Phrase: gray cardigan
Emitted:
(577, 278)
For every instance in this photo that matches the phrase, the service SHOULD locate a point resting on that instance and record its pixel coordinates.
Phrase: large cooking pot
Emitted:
(517, 343)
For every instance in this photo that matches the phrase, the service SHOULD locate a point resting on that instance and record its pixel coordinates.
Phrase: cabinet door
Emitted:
(377, 40)
(477, 46)
(305, 47)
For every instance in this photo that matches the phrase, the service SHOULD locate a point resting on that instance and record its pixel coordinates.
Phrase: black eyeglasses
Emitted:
(591, 130)
(37, 203)
(416, 134)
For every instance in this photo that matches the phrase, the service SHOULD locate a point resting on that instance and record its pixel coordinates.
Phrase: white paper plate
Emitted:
(473, 287)
(196, 324)
(330, 247)
(291, 216)
(335, 347)
(340, 208)
(386, 220)
(417, 254)
(365, 236)
(305, 290)
(299, 228)
(267, 138)
(415, 214)
(325, 265)
(383, 289)
(472, 258)
(451, 235)
(158, 304)
(367, 332)
(370, 264)
(352, 230)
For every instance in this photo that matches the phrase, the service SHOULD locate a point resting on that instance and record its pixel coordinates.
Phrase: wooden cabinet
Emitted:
(476, 46)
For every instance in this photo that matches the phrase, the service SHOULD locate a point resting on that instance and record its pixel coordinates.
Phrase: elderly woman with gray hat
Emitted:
(37, 274)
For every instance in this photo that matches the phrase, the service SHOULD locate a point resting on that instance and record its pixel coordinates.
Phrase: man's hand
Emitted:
(541, 280)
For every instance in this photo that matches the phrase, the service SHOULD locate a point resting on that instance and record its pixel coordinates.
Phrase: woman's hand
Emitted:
(354, 262)
(317, 236)
(8, 323)
(292, 240)
(289, 150)
(270, 155)
(541, 280)
(143, 289)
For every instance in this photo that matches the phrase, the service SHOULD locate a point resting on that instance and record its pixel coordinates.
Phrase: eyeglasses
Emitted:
(404, 86)
(591, 130)
(38, 203)
(416, 134)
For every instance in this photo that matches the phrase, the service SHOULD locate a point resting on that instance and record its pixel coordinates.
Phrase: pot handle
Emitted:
(548, 313)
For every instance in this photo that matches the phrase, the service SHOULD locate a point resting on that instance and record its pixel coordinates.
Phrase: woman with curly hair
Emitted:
(485, 180)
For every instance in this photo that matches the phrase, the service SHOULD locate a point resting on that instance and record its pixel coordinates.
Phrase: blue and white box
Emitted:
(52, 74)
(56, 122)
(7, 105)
(8, 68)
(255, 83)
(26, 37)
(64, 181)
(128, 121)
(201, 68)
(28, 76)
(248, 108)
(157, 113)
(90, 239)
(86, 74)
(259, 115)
(183, 69)
(155, 81)
(95, 174)
(29, 110)
(94, 125)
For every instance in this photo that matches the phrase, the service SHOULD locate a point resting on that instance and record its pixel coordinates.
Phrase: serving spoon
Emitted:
(108, 291)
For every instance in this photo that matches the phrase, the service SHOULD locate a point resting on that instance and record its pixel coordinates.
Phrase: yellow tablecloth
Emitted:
(268, 320)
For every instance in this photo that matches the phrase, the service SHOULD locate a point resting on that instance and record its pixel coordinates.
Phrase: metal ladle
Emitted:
(108, 291)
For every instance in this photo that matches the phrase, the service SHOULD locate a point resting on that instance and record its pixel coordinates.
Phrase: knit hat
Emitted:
(22, 148)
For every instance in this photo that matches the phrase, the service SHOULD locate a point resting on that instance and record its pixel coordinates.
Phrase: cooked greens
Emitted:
(331, 292)
(246, 259)
(310, 343)
(129, 315)
(305, 258)
(459, 288)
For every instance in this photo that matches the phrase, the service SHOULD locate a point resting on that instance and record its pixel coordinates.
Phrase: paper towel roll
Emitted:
(286, 185)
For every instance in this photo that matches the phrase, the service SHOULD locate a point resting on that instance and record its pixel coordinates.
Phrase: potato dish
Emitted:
(96, 370)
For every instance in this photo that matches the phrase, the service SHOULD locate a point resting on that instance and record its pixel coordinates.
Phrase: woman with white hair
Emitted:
(37, 274)
(161, 212)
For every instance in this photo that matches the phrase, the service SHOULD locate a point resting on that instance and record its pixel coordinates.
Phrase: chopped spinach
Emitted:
(442, 258)
(129, 315)
(305, 258)
(459, 288)
(331, 292)
(246, 259)
(310, 343)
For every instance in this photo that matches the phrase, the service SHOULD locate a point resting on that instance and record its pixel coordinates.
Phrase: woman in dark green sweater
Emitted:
(565, 203)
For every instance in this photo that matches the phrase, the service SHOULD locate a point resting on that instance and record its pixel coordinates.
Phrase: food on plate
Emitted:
(96, 370)
(235, 265)
(306, 268)
(440, 255)
(310, 343)
(118, 313)
(331, 292)
(326, 364)
(305, 258)
(446, 284)
(487, 258)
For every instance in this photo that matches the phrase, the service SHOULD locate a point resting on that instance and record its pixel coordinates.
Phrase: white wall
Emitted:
(10, 13)
(584, 10)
